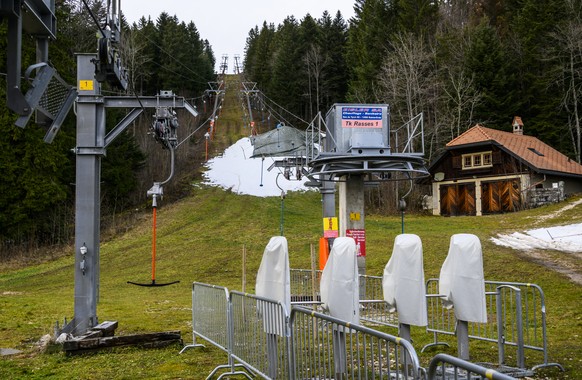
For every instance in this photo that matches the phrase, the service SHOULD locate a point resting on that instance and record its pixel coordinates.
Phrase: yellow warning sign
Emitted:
(86, 85)
(330, 227)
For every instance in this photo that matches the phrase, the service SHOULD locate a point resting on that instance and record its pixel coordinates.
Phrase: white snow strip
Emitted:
(561, 238)
(235, 170)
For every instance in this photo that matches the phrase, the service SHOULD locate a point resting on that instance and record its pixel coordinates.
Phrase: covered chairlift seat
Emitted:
(339, 281)
(274, 283)
(340, 295)
(273, 277)
(461, 282)
(403, 281)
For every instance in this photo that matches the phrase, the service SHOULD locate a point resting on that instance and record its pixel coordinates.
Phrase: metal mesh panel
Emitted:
(304, 285)
(54, 97)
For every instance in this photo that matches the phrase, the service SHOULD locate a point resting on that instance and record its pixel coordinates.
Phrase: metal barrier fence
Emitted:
(260, 335)
(324, 347)
(444, 366)
(518, 326)
(211, 321)
(516, 315)
(304, 285)
(261, 339)
(373, 309)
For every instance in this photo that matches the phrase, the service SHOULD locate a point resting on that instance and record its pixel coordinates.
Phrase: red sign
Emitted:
(360, 237)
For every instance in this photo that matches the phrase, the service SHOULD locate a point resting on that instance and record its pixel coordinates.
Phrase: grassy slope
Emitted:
(200, 239)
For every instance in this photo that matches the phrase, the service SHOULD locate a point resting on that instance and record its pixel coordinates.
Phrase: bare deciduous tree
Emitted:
(315, 62)
(134, 59)
(408, 80)
(568, 48)
(462, 97)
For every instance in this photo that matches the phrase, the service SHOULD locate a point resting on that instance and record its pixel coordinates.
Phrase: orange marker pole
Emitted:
(207, 137)
(154, 205)
(323, 252)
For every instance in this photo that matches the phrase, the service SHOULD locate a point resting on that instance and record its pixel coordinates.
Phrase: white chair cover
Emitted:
(403, 281)
(273, 277)
(339, 285)
(461, 280)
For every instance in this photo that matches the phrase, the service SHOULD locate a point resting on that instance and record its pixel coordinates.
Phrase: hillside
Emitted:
(201, 238)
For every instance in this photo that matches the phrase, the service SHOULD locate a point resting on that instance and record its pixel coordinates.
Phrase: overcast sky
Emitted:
(226, 23)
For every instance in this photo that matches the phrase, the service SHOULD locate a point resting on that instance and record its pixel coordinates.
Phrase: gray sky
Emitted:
(226, 23)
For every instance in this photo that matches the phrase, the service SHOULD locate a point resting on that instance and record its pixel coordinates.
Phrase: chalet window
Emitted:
(487, 159)
(477, 160)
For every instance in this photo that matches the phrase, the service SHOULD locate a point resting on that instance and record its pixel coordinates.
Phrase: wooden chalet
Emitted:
(487, 171)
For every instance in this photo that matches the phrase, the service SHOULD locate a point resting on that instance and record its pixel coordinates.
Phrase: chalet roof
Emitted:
(531, 150)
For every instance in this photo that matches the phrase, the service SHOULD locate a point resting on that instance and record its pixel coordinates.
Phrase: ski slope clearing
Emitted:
(237, 171)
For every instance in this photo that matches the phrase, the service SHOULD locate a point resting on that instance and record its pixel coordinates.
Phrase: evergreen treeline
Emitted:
(459, 62)
(37, 179)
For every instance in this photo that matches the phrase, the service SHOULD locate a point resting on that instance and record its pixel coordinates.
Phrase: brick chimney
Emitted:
(517, 125)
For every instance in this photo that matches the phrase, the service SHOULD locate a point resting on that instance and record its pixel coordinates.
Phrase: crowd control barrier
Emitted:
(444, 366)
(211, 321)
(516, 320)
(522, 325)
(324, 347)
(261, 339)
(260, 331)
(373, 309)
(304, 285)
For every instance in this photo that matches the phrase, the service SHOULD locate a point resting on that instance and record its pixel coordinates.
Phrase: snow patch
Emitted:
(561, 238)
(236, 170)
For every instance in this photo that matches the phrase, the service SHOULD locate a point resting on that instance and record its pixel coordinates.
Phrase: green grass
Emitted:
(201, 238)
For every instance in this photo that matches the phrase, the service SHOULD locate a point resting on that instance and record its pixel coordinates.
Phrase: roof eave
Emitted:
(473, 145)
(557, 173)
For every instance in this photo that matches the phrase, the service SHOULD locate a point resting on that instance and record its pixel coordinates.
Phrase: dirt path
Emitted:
(560, 211)
(564, 267)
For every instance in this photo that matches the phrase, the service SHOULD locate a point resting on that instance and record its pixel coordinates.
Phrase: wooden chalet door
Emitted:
(458, 199)
(490, 199)
(500, 196)
(510, 196)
